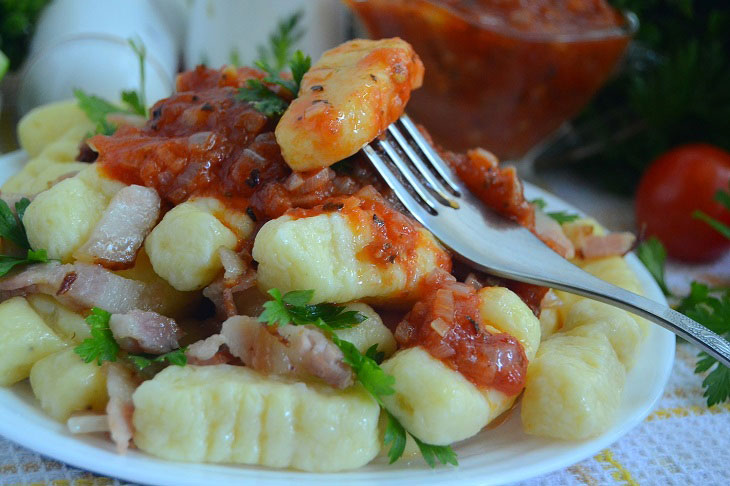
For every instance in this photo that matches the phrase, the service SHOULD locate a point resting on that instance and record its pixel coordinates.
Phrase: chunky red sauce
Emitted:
(446, 324)
(501, 74)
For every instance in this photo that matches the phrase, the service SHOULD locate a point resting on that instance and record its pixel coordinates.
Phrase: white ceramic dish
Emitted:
(500, 455)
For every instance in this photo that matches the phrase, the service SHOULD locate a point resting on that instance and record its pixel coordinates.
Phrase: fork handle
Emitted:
(679, 324)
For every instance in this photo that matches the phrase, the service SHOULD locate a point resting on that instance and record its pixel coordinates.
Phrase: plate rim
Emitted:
(123, 467)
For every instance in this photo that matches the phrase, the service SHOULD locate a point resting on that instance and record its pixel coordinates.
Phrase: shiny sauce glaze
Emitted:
(447, 324)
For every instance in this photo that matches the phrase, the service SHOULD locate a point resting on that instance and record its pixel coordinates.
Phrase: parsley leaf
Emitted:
(7, 262)
(717, 385)
(559, 216)
(721, 228)
(431, 453)
(653, 255)
(273, 59)
(373, 353)
(262, 99)
(395, 434)
(299, 65)
(539, 203)
(277, 54)
(101, 346)
(11, 226)
(175, 357)
(97, 108)
(293, 308)
(563, 216)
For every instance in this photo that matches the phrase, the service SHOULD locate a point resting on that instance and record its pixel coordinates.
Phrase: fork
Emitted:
(437, 198)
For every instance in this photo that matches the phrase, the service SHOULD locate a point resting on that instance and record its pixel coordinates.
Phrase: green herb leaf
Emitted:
(299, 65)
(298, 297)
(96, 110)
(262, 98)
(395, 434)
(275, 311)
(539, 203)
(698, 293)
(366, 368)
(7, 263)
(20, 208)
(101, 346)
(11, 227)
(138, 100)
(139, 362)
(373, 353)
(431, 453)
(563, 216)
(132, 99)
(653, 255)
(559, 216)
(717, 385)
(175, 357)
(278, 52)
(720, 227)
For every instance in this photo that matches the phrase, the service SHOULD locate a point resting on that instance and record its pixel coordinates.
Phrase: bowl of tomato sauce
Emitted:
(503, 74)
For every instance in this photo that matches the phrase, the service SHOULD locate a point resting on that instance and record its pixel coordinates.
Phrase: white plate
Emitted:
(497, 456)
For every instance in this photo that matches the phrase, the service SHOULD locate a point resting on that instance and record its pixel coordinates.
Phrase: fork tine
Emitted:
(422, 214)
(436, 161)
(408, 174)
(418, 162)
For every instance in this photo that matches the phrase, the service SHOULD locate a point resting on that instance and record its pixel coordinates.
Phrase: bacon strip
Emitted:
(117, 237)
(612, 244)
(237, 277)
(120, 385)
(145, 332)
(285, 350)
(551, 233)
(80, 286)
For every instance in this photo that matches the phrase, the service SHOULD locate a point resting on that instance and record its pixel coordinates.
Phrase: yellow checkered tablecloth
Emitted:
(682, 443)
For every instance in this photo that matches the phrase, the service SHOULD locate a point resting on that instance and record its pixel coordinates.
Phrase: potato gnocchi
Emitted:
(262, 308)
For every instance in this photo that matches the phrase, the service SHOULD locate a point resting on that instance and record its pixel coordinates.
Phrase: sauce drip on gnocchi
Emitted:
(447, 323)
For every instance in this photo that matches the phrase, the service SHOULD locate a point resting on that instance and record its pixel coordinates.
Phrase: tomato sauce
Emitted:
(446, 323)
(198, 142)
(502, 74)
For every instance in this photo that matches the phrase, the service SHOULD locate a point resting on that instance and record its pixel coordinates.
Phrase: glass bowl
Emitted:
(489, 84)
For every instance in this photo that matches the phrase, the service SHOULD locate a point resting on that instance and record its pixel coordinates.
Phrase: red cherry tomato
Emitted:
(673, 187)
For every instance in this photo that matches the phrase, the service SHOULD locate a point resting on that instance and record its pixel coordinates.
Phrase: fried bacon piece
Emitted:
(145, 332)
(80, 286)
(118, 236)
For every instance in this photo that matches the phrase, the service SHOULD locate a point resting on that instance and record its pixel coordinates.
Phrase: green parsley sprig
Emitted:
(11, 228)
(653, 255)
(723, 197)
(559, 216)
(102, 346)
(710, 307)
(273, 59)
(134, 102)
(294, 308)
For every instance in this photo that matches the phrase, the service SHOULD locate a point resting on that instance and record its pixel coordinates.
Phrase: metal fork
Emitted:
(430, 191)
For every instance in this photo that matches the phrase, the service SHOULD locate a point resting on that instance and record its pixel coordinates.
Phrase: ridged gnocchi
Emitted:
(183, 247)
(573, 387)
(64, 384)
(233, 414)
(437, 404)
(370, 332)
(46, 124)
(324, 253)
(24, 339)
